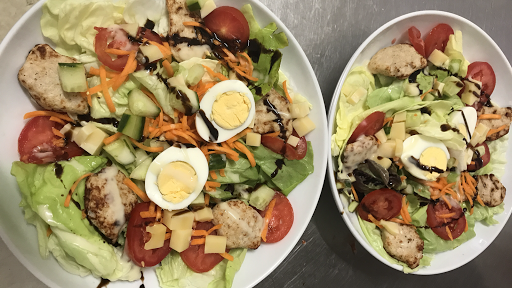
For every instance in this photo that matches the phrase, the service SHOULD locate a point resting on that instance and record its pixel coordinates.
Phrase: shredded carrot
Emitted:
(489, 116)
(425, 94)
(387, 120)
(146, 148)
(215, 74)
(404, 212)
(374, 221)
(58, 120)
(136, 189)
(447, 202)
(444, 216)
(96, 72)
(241, 147)
(213, 174)
(68, 197)
(158, 213)
(480, 200)
(83, 214)
(492, 131)
(403, 178)
(145, 132)
(273, 134)
(227, 256)
(466, 229)
(396, 220)
(47, 113)
(199, 241)
(57, 133)
(230, 55)
(112, 138)
(242, 73)
(147, 214)
(199, 233)
(213, 184)
(354, 193)
(168, 68)
(192, 23)
(206, 199)
(471, 211)
(106, 94)
(186, 136)
(222, 173)
(226, 151)
(286, 92)
(449, 233)
(214, 228)
(167, 235)
(48, 231)
(130, 66)
(268, 216)
(239, 135)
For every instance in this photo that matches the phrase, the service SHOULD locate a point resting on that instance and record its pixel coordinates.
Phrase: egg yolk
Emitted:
(177, 181)
(231, 109)
(434, 157)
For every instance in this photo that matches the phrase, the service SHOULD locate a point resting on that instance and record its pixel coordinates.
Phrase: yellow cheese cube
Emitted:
(387, 149)
(392, 227)
(479, 134)
(292, 140)
(357, 95)
(381, 136)
(438, 58)
(182, 221)
(471, 92)
(94, 142)
(130, 28)
(384, 162)
(253, 139)
(215, 244)
(397, 131)
(299, 110)
(303, 125)
(180, 239)
(157, 236)
(151, 52)
(400, 117)
(84, 132)
(167, 217)
(68, 127)
(203, 215)
(399, 147)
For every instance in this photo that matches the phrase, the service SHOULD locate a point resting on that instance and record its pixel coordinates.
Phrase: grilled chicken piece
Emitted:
(108, 201)
(241, 224)
(357, 152)
(490, 189)
(405, 246)
(506, 119)
(273, 115)
(39, 75)
(397, 61)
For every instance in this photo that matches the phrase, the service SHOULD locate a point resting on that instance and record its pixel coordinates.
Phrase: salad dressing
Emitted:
(278, 120)
(107, 121)
(113, 197)
(279, 163)
(214, 133)
(236, 217)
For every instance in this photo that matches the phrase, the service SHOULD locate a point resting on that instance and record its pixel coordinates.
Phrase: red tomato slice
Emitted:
(456, 223)
(483, 72)
(275, 144)
(437, 38)
(485, 158)
(101, 42)
(382, 204)
(416, 41)
(369, 126)
(149, 34)
(194, 256)
(298, 152)
(229, 24)
(281, 220)
(136, 237)
(37, 144)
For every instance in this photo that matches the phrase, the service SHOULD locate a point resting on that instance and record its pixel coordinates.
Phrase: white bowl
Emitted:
(21, 237)
(477, 46)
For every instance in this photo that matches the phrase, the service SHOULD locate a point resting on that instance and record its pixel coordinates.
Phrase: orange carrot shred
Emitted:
(47, 113)
(168, 68)
(199, 233)
(354, 193)
(268, 216)
(213, 184)
(58, 120)
(57, 133)
(106, 93)
(374, 221)
(480, 200)
(112, 138)
(167, 235)
(206, 199)
(449, 233)
(227, 256)
(222, 172)
(136, 189)
(492, 131)
(213, 174)
(213, 229)
(273, 134)
(286, 92)
(73, 187)
(199, 241)
(489, 116)
(146, 148)
(241, 147)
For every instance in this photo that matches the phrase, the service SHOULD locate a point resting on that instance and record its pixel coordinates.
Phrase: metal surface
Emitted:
(330, 31)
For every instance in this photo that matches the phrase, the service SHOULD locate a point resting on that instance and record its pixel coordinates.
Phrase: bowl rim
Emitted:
(331, 119)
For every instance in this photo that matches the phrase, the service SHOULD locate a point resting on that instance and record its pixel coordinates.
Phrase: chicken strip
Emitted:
(273, 115)
(108, 201)
(490, 189)
(358, 151)
(39, 75)
(241, 224)
(405, 246)
(506, 119)
(397, 61)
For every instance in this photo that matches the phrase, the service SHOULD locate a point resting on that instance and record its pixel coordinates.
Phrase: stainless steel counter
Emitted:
(330, 31)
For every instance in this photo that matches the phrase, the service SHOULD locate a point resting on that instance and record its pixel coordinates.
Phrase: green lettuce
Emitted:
(237, 172)
(425, 82)
(75, 244)
(139, 11)
(387, 94)
(454, 51)
(174, 273)
(266, 36)
(157, 87)
(99, 108)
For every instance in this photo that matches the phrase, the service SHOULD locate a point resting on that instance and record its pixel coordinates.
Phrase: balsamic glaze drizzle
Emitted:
(214, 133)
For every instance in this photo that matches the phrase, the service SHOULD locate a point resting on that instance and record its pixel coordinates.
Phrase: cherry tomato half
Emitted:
(109, 38)
(456, 224)
(382, 204)
(37, 144)
(275, 144)
(194, 256)
(483, 72)
(485, 158)
(136, 237)
(281, 220)
(416, 41)
(437, 38)
(229, 24)
(369, 126)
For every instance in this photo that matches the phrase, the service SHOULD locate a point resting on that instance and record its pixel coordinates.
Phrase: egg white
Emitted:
(192, 156)
(207, 104)
(414, 146)
(455, 119)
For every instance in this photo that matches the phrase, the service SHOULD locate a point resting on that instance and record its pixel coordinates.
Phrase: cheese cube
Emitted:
(130, 28)
(387, 149)
(292, 140)
(397, 131)
(182, 221)
(392, 227)
(438, 58)
(203, 215)
(303, 125)
(94, 142)
(399, 148)
(152, 52)
(68, 127)
(84, 133)
(215, 244)
(438, 86)
(167, 217)
(471, 92)
(299, 110)
(157, 236)
(357, 95)
(381, 136)
(180, 240)
(479, 134)
(253, 139)
(400, 117)
(384, 162)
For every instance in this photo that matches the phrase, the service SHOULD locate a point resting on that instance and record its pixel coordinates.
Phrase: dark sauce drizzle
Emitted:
(58, 170)
(278, 120)
(180, 95)
(279, 164)
(107, 121)
(103, 283)
(429, 169)
(214, 133)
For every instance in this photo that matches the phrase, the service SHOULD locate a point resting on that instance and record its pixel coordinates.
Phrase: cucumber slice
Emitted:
(132, 126)
(261, 197)
(195, 73)
(198, 202)
(181, 97)
(193, 5)
(217, 162)
(140, 156)
(141, 170)
(141, 105)
(120, 151)
(72, 77)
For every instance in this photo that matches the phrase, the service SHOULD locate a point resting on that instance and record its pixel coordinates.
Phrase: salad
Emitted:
(168, 137)
(420, 147)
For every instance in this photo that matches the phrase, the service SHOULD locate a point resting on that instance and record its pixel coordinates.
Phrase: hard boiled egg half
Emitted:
(225, 110)
(420, 153)
(176, 177)
(463, 119)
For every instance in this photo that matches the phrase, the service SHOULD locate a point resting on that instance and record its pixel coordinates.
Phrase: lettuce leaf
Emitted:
(157, 87)
(387, 94)
(498, 150)
(99, 108)
(266, 36)
(425, 82)
(139, 11)
(454, 51)
(237, 172)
